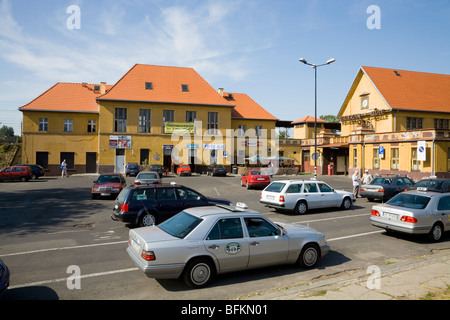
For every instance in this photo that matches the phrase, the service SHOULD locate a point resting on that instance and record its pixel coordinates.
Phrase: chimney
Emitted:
(102, 87)
(221, 91)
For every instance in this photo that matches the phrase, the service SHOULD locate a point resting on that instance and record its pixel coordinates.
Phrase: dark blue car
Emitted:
(4, 277)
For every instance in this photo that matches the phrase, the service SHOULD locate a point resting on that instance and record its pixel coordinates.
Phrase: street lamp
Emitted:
(315, 107)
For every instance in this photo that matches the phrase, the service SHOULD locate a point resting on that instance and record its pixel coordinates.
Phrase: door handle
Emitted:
(214, 246)
(254, 243)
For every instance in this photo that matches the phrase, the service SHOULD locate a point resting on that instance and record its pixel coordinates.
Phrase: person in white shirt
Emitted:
(367, 177)
(355, 180)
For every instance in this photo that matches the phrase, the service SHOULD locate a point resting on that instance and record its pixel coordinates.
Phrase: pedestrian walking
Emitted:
(64, 169)
(355, 180)
(367, 177)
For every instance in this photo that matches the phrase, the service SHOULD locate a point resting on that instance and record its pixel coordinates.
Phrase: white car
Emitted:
(199, 243)
(302, 195)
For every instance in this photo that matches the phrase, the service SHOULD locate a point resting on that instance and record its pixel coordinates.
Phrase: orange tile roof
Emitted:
(66, 97)
(246, 107)
(308, 119)
(166, 82)
(411, 90)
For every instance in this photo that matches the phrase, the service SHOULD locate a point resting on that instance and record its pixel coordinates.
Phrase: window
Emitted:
(191, 116)
(441, 123)
(184, 88)
(415, 164)
(165, 194)
(149, 86)
(230, 228)
(444, 203)
(213, 122)
(376, 158)
(43, 124)
(324, 187)
(145, 121)
(395, 161)
(258, 130)
(413, 123)
(310, 188)
(68, 125)
(294, 188)
(120, 120)
(258, 227)
(92, 126)
(168, 116)
(355, 158)
(186, 194)
(241, 130)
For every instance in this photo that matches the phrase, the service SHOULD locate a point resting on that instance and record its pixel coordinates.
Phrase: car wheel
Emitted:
(301, 207)
(436, 232)
(199, 273)
(147, 220)
(347, 203)
(309, 256)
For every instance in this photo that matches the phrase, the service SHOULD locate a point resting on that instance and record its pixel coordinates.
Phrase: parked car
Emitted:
(300, 196)
(36, 170)
(184, 169)
(147, 178)
(107, 185)
(148, 205)
(414, 212)
(216, 170)
(199, 243)
(157, 168)
(433, 184)
(132, 169)
(4, 277)
(22, 173)
(255, 178)
(384, 188)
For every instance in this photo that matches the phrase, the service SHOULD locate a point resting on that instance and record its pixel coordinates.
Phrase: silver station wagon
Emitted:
(414, 212)
(199, 243)
(301, 195)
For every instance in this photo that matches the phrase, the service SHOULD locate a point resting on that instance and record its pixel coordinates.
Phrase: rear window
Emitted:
(381, 181)
(180, 225)
(413, 201)
(147, 176)
(275, 187)
(123, 195)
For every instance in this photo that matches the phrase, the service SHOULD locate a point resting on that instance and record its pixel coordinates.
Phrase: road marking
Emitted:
(92, 275)
(217, 191)
(356, 235)
(334, 218)
(64, 248)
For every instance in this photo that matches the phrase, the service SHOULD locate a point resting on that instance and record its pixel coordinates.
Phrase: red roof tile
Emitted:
(410, 90)
(166, 86)
(247, 108)
(66, 97)
(308, 119)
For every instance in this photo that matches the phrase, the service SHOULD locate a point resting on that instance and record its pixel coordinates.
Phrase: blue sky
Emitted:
(247, 46)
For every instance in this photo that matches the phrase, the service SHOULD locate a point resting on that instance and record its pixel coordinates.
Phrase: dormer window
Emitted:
(184, 88)
(149, 86)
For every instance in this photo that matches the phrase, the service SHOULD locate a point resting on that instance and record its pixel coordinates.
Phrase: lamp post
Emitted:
(315, 107)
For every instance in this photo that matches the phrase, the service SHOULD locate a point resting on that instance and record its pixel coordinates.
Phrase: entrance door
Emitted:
(91, 162)
(307, 162)
(120, 161)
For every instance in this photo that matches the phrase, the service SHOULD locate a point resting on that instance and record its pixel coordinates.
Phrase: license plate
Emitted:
(390, 216)
(259, 179)
(270, 197)
(105, 194)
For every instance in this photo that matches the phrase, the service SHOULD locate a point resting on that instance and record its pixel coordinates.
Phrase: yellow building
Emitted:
(152, 115)
(397, 121)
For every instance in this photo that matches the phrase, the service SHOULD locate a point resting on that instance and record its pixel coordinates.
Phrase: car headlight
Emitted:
(96, 189)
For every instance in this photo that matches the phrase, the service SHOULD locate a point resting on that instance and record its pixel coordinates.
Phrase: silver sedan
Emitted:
(199, 243)
(414, 212)
(147, 178)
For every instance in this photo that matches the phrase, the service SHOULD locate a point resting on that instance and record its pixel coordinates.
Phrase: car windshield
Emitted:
(147, 176)
(108, 178)
(275, 187)
(380, 180)
(180, 225)
(413, 201)
(132, 166)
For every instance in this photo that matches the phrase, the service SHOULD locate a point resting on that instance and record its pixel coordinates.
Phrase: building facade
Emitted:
(152, 115)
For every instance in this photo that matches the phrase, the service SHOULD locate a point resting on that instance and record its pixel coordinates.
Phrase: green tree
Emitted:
(6, 131)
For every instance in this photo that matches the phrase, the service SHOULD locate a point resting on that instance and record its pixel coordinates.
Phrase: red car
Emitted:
(107, 185)
(255, 178)
(184, 169)
(21, 173)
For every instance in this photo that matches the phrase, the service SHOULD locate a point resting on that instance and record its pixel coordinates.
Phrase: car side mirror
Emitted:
(95, 181)
(280, 232)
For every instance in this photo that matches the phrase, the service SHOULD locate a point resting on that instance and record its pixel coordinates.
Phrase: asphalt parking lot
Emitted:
(50, 226)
